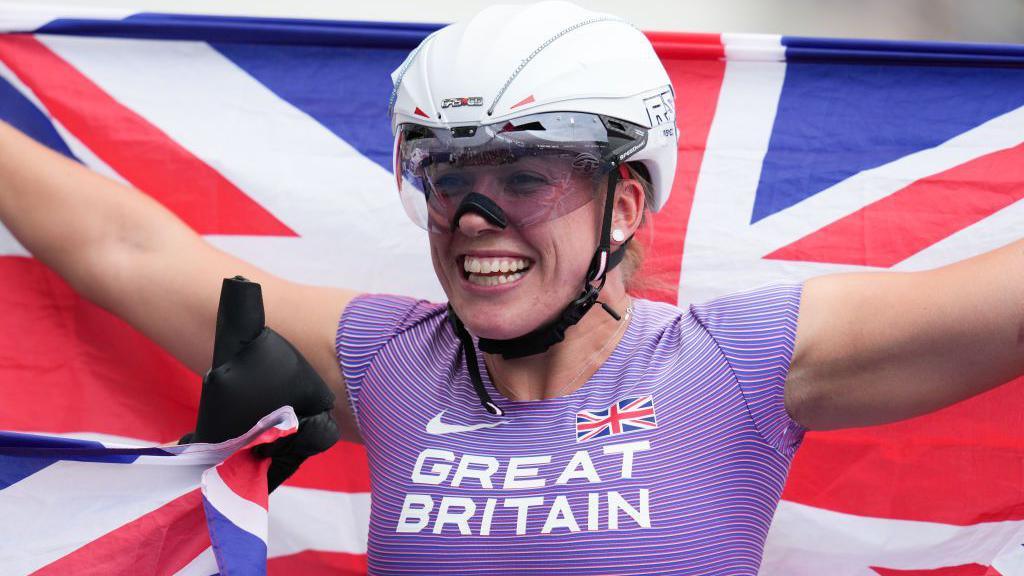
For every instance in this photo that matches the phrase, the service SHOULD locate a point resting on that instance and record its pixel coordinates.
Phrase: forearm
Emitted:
(888, 346)
(66, 215)
(127, 253)
(116, 246)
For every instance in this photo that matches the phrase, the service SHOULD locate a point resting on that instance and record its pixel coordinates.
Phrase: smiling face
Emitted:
(506, 282)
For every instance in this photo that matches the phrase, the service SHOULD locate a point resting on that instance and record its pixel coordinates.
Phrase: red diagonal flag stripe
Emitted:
(136, 149)
(159, 543)
(902, 224)
(962, 570)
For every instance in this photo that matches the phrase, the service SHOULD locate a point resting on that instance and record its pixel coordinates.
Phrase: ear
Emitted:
(629, 207)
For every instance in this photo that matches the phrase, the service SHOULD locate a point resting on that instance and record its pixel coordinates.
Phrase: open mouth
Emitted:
(494, 271)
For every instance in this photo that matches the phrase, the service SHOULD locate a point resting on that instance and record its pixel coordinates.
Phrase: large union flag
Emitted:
(798, 157)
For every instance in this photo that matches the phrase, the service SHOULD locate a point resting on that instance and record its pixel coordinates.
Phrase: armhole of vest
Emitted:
(788, 452)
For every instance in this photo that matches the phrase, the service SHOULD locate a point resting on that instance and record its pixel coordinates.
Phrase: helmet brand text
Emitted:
(460, 102)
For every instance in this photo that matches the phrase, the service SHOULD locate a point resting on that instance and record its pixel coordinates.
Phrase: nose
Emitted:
(473, 224)
(485, 213)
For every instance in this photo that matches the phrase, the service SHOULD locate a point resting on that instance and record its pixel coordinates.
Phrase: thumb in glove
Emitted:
(256, 371)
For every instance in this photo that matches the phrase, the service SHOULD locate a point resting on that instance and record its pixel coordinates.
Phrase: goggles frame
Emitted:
(436, 167)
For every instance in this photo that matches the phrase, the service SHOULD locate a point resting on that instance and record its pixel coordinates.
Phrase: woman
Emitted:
(583, 431)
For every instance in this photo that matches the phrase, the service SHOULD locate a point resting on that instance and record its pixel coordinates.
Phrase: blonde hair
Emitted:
(633, 259)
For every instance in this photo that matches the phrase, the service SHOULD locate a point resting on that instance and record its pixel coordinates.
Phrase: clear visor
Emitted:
(536, 168)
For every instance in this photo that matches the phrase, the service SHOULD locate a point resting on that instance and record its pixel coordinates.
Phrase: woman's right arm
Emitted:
(128, 254)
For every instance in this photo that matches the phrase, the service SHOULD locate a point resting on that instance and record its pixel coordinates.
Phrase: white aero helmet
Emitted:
(511, 62)
(502, 115)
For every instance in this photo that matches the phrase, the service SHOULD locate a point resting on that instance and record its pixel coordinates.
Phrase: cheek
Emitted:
(569, 247)
(438, 248)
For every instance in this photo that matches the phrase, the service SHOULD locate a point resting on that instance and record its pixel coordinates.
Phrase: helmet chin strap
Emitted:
(543, 338)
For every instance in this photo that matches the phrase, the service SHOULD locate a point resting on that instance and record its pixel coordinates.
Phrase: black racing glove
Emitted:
(256, 371)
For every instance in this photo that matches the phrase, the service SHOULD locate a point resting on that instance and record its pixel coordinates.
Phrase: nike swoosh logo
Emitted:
(437, 427)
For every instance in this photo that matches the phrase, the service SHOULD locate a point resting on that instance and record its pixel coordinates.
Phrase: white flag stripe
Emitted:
(243, 513)
(847, 543)
(753, 47)
(737, 143)
(9, 245)
(308, 519)
(1010, 561)
(203, 565)
(47, 499)
(339, 201)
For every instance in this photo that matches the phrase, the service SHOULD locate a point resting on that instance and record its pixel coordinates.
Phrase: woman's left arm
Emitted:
(873, 348)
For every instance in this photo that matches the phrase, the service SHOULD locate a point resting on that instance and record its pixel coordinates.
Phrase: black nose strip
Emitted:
(479, 204)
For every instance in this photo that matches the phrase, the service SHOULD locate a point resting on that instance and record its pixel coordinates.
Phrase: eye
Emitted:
(451, 184)
(526, 183)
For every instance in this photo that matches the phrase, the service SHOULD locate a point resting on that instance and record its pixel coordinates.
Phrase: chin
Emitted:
(502, 320)
(496, 322)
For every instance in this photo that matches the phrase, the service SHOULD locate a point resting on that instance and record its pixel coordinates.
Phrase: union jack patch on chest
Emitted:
(626, 415)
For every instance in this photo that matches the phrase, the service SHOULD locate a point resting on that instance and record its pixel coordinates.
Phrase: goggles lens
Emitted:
(536, 168)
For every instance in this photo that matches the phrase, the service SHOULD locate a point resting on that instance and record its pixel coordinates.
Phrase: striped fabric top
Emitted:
(669, 460)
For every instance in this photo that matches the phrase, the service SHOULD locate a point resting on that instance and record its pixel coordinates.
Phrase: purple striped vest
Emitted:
(669, 460)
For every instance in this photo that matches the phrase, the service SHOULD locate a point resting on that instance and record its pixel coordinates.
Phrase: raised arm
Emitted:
(127, 253)
(873, 348)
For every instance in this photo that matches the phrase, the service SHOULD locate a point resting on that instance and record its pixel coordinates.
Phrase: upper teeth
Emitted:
(475, 265)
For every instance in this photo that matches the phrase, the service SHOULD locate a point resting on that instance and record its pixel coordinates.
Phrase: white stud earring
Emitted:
(618, 235)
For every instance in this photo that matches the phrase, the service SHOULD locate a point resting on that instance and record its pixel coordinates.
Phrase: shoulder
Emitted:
(655, 319)
(754, 327)
(373, 322)
(388, 314)
(771, 307)
(762, 305)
